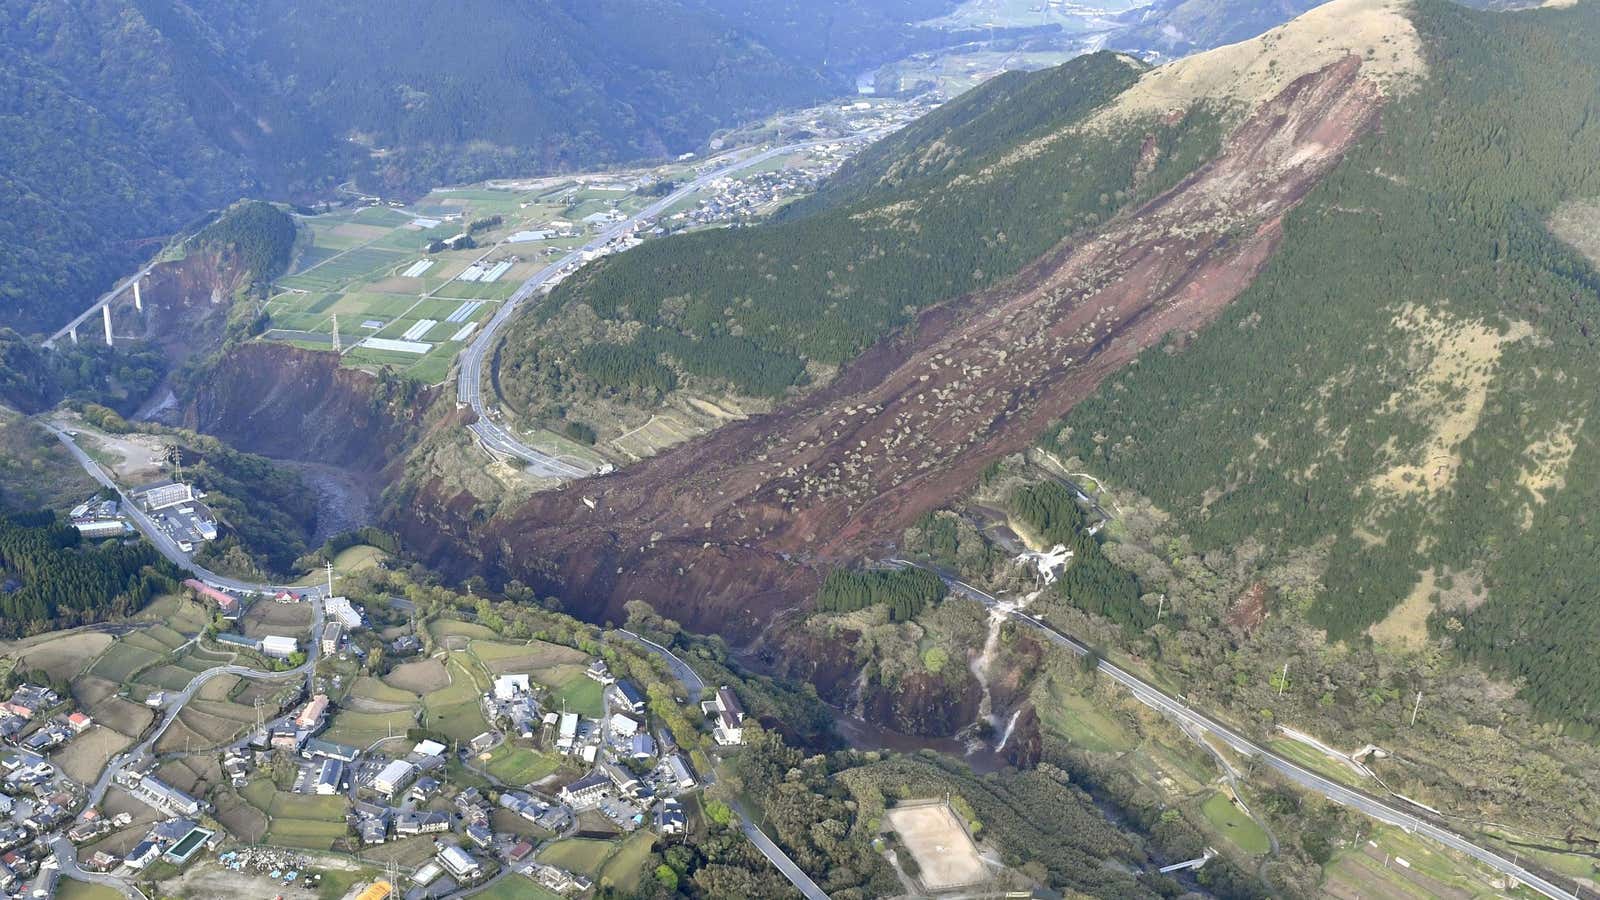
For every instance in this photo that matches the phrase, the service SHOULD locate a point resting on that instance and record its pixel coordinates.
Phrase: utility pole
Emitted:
(1161, 605)
(329, 567)
(1283, 679)
(1417, 706)
(336, 347)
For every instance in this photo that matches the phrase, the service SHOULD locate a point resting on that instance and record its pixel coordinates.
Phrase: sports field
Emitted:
(941, 846)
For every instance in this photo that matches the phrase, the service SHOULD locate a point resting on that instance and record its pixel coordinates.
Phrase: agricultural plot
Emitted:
(501, 657)
(581, 855)
(661, 432)
(84, 758)
(341, 271)
(297, 820)
(424, 676)
(245, 822)
(267, 617)
(455, 710)
(362, 729)
(65, 656)
(625, 868)
(455, 634)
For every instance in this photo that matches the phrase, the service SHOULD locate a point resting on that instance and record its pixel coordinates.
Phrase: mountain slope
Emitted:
(723, 531)
(132, 117)
(1407, 393)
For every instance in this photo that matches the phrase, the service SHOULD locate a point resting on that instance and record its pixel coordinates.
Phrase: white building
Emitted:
(567, 736)
(393, 777)
(459, 862)
(727, 717)
(508, 687)
(428, 748)
(341, 611)
(279, 646)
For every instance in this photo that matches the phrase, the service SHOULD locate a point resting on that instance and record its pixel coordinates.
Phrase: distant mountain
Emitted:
(1173, 28)
(132, 117)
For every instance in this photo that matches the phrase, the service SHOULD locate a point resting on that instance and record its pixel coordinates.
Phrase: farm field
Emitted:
(443, 630)
(85, 756)
(68, 889)
(455, 709)
(1075, 717)
(361, 729)
(515, 887)
(625, 868)
(582, 855)
(65, 656)
(371, 268)
(297, 820)
(268, 617)
(502, 657)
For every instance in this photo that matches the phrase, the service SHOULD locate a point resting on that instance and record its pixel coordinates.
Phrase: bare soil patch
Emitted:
(421, 677)
(66, 656)
(85, 757)
(940, 844)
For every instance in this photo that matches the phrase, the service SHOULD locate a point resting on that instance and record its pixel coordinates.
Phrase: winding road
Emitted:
(469, 382)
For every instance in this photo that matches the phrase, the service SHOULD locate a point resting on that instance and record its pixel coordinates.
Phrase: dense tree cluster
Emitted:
(259, 235)
(54, 580)
(905, 591)
(624, 366)
(1091, 582)
(927, 217)
(1297, 420)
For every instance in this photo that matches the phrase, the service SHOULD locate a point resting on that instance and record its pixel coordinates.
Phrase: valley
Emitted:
(1054, 470)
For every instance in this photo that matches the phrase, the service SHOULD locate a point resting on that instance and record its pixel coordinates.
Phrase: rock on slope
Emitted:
(723, 531)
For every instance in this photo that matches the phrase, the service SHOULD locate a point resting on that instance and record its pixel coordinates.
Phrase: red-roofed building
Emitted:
(227, 604)
(79, 722)
(312, 714)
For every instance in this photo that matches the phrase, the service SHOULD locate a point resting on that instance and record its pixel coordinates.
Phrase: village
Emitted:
(440, 756)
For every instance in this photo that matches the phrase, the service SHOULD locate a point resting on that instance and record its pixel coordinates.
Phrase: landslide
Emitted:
(722, 532)
(288, 403)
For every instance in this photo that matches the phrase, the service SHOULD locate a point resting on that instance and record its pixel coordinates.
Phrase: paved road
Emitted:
(1179, 711)
(94, 310)
(696, 686)
(469, 382)
(67, 857)
(690, 678)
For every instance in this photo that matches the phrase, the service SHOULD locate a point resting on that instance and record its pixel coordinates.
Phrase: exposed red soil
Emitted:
(288, 403)
(1250, 610)
(723, 531)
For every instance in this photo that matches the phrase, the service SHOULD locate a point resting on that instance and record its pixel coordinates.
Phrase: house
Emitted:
(286, 597)
(331, 633)
(623, 726)
(405, 644)
(279, 646)
(519, 851)
(30, 699)
(393, 777)
(586, 791)
(669, 818)
(143, 854)
(79, 722)
(373, 830)
(410, 823)
(682, 775)
(642, 746)
(157, 793)
(727, 716)
(509, 687)
(459, 862)
(425, 787)
(559, 880)
(428, 748)
(480, 834)
(625, 781)
(311, 716)
(599, 671)
(330, 777)
(483, 742)
(623, 693)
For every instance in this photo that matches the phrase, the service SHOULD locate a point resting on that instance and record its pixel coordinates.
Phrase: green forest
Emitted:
(1091, 582)
(54, 580)
(905, 591)
(1305, 418)
(750, 307)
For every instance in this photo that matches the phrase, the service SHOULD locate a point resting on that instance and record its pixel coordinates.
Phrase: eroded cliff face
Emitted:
(724, 531)
(293, 404)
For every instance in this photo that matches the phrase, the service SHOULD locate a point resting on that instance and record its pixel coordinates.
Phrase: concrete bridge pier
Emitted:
(138, 300)
(105, 314)
(73, 332)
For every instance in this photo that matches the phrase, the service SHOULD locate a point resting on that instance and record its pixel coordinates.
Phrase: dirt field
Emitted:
(940, 845)
(208, 879)
(120, 801)
(85, 757)
(267, 617)
(66, 656)
(421, 677)
(192, 774)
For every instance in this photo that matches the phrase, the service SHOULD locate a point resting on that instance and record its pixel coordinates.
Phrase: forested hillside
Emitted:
(56, 580)
(931, 214)
(130, 119)
(1404, 400)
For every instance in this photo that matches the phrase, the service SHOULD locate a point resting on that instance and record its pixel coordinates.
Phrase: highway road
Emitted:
(105, 298)
(1180, 711)
(469, 380)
